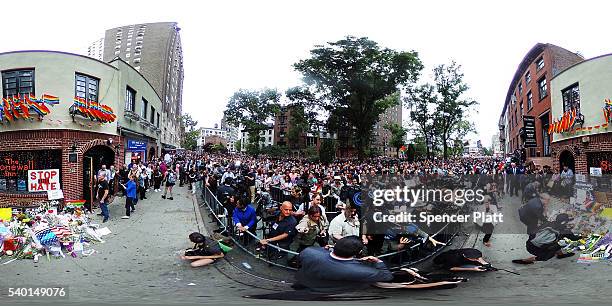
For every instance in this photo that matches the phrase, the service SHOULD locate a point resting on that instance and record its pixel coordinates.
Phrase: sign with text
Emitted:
(137, 145)
(43, 180)
(530, 132)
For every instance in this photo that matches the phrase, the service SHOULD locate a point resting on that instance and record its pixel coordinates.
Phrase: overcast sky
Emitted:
(252, 44)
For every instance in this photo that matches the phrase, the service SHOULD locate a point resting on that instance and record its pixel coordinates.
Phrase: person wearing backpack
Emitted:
(204, 252)
(533, 213)
(544, 244)
(170, 182)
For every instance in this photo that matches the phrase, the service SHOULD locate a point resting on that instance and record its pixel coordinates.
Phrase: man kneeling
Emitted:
(204, 251)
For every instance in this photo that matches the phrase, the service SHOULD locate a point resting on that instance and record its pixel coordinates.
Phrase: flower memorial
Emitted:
(45, 232)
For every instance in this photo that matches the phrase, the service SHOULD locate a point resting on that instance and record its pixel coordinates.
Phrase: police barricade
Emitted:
(276, 255)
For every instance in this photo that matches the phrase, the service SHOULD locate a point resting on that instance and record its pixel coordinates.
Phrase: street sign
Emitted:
(530, 132)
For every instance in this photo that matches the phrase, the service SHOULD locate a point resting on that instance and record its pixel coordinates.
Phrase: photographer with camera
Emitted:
(204, 252)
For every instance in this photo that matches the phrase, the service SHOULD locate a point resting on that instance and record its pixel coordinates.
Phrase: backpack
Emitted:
(171, 178)
(545, 237)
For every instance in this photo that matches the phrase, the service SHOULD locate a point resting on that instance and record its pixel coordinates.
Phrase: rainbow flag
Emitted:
(49, 99)
(75, 202)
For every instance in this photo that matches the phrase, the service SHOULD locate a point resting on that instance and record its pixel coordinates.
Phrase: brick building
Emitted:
(587, 143)
(73, 113)
(528, 100)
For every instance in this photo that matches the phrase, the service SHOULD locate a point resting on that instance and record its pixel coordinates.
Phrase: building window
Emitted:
(571, 98)
(542, 87)
(527, 77)
(529, 101)
(143, 110)
(86, 87)
(152, 120)
(130, 97)
(540, 63)
(17, 82)
(520, 89)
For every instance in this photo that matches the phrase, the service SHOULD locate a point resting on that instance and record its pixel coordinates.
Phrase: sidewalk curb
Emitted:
(200, 222)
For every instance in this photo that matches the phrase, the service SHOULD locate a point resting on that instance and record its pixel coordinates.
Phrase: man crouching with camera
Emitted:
(204, 252)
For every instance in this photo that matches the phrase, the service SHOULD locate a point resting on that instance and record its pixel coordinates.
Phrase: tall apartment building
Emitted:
(526, 116)
(154, 50)
(381, 137)
(96, 49)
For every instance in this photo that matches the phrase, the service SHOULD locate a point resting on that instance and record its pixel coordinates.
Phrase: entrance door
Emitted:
(566, 158)
(88, 181)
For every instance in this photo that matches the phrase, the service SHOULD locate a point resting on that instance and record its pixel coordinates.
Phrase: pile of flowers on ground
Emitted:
(46, 232)
(593, 248)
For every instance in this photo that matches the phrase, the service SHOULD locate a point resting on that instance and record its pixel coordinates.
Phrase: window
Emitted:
(17, 82)
(143, 109)
(571, 98)
(130, 97)
(529, 101)
(527, 77)
(542, 87)
(520, 89)
(86, 87)
(540, 63)
(152, 120)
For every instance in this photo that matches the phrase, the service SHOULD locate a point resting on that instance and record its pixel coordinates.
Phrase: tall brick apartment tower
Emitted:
(154, 49)
(529, 99)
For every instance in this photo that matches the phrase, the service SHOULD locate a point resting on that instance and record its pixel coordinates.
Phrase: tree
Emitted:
(297, 127)
(351, 77)
(451, 106)
(251, 109)
(487, 151)
(190, 141)
(461, 131)
(327, 151)
(238, 145)
(398, 136)
(188, 122)
(420, 101)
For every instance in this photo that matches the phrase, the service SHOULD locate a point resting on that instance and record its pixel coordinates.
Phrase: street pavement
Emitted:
(139, 264)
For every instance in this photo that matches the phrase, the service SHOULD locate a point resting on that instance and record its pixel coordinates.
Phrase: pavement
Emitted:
(139, 264)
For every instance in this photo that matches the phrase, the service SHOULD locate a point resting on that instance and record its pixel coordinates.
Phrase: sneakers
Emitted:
(104, 221)
(163, 196)
(125, 217)
(170, 198)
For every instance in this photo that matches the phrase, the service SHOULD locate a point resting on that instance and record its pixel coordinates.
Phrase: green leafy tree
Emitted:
(188, 122)
(351, 77)
(421, 100)
(398, 136)
(190, 141)
(238, 145)
(327, 151)
(451, 107)
(462, 130)
(251, 109)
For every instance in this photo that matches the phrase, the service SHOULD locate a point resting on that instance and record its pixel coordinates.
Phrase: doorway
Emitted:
(566, 158)
(93, 160)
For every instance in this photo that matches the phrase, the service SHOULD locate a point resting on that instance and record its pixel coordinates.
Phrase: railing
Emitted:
(279, 256)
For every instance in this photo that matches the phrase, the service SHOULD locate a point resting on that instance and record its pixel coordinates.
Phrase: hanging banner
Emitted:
(26, 107)
(530, 131)
(43, 180)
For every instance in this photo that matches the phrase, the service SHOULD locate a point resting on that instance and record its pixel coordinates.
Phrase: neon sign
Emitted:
(26, 107)
(92, 110)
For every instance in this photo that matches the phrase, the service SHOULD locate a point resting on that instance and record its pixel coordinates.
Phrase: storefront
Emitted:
(582, 114)
(135, 151)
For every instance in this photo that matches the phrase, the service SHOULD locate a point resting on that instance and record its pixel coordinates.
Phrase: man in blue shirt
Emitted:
(130, 197)
(245, 219)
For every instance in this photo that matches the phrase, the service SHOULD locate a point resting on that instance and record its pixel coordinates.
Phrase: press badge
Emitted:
(275, 226)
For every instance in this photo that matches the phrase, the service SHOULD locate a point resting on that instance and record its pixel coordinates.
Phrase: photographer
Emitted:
(244, 219)
(312, 228)
(204, 251)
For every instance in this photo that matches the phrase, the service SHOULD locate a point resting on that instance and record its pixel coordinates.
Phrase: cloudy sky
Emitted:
(252, 44)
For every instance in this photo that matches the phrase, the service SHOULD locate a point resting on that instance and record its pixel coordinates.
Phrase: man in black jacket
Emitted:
(533, 213)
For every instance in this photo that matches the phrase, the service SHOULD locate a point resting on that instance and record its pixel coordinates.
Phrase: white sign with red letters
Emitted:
(43, 180)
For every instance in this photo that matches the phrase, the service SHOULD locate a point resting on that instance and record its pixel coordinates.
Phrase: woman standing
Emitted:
(157, 179)
(312, 228)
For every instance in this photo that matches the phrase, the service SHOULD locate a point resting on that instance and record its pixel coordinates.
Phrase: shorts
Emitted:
(170, 184)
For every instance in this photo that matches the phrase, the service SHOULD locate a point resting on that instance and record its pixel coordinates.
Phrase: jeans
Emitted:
(105, 213)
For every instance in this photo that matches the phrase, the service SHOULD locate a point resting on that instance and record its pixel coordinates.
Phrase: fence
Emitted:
(282, 257)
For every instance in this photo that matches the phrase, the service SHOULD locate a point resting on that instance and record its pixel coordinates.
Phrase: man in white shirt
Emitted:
(344, 224)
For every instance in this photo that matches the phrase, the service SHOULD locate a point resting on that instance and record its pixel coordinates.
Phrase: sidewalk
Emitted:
(139, 262)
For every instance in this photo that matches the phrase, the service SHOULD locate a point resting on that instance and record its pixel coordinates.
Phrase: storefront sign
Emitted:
(14, 167)
(137, 145)
(43, 180)
(530, 132)
(602, 160)
(92, 110)
(595, 171)
(26, 107)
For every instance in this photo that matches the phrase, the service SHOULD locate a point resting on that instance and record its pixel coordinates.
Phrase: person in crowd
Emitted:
(487, 227)
(244, 219)
(533, 214)
(312, 229)
(283, 230)
(544, 244)
(130, 197)
(204, 252)
(341, 270)
(459, 260)
(170, 182)
(157, 179)
(317, 200)
(345, 224)
(514, 175)
(102, 195)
